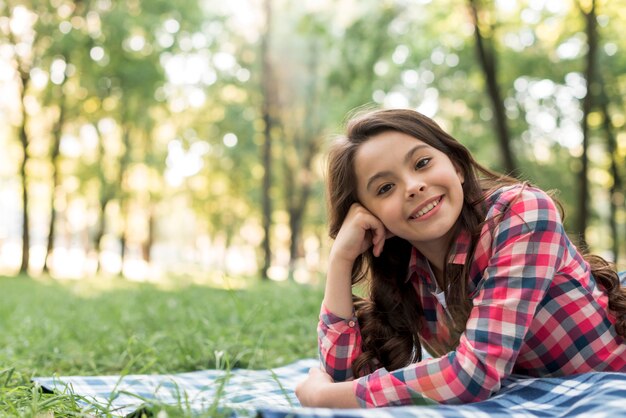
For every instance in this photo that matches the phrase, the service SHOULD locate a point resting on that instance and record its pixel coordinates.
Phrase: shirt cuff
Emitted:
(369, 389)
(359, 387)
(337, 323)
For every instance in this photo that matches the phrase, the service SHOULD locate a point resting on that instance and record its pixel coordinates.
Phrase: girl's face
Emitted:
(413, 188)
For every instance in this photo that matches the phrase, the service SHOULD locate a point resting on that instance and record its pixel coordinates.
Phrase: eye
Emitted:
(384, 189)
(422, 163)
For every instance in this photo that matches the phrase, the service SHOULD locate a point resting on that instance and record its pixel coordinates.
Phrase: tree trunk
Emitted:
(487, 60)
(296, 216)
(152, 198)
(616, 187)
(55, 161)
(297, 199)
(590, 76)
(97, 239)
(295, 226)
(302, 172)
(123, 194)
(25, 78)
(105, 197)
(267, 86)
(23, 70)
(147, 245)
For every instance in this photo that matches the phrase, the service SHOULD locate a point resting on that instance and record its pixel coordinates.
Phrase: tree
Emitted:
(486, 54)
(589, 12)
(25, 56)
(267, 86)
(616, 188)
(56, 181)
(58, 58)
(312, 98)
(129, 75)
(302, 143)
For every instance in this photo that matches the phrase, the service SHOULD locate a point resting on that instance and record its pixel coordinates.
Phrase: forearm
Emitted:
(337, 395)
(338, 290)
(319, 391)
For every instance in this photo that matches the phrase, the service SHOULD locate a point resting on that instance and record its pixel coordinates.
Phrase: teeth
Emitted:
(426, 209)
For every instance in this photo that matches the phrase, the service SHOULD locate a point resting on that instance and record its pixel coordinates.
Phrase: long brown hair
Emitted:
(391, 317)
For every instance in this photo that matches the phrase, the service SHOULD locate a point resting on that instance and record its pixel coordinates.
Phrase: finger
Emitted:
(379, 239)
(388, 234)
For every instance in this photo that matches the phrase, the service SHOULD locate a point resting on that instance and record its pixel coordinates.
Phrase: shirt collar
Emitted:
(458, 255)
(460, 248)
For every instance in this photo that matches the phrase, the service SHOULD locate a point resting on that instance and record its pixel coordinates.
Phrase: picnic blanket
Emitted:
(270, 394)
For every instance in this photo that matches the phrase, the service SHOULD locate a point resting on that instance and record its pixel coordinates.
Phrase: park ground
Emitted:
(112, 326)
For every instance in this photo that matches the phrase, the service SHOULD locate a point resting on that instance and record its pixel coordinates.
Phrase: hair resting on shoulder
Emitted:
(391, 317)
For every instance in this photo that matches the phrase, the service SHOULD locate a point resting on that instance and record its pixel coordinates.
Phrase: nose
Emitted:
(414, 185)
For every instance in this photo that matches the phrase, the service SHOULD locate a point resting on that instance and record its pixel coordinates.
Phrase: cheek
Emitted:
(389, 212)
(460, 197)
(456, 180)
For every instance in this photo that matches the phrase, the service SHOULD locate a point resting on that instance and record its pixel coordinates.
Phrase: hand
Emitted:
(359, 231)
(309, 389)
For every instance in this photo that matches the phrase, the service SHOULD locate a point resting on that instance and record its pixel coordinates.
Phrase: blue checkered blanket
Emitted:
(270, 393)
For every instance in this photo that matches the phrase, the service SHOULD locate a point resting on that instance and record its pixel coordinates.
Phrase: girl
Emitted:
(473, 266)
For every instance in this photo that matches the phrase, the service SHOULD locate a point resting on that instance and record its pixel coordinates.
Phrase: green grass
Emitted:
(110, 326)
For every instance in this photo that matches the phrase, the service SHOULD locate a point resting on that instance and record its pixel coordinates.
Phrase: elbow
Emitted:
(468, 397)
(473, 390)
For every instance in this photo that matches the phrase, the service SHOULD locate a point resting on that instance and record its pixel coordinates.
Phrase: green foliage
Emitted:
(117, 327)
(328, 60)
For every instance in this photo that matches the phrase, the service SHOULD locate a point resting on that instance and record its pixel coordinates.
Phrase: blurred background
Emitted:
(154, 139)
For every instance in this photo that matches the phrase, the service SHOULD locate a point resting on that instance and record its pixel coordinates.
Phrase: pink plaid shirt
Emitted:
(536, 311)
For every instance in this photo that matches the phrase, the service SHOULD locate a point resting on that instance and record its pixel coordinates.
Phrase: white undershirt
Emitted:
(438, 293)
(441, 297)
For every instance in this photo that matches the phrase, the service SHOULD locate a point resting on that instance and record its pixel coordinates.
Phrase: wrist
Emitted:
(337, 395)
(320, 398)
(324, 396)
(337, 258)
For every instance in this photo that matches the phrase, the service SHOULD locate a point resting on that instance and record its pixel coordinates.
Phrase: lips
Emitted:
(426, 208)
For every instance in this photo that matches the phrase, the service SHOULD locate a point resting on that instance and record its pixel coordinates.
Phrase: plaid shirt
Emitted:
(536, 311)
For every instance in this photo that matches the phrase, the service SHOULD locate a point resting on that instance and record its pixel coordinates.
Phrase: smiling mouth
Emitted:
(426, 209)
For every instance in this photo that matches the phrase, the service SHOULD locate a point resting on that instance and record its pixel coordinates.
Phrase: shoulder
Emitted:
(520, 196)
(524, 204)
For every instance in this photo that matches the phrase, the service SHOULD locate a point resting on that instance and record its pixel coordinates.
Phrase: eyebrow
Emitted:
(407, 158)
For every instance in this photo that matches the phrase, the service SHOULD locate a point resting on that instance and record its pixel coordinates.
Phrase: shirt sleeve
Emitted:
(523, 252)
(339, 342)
